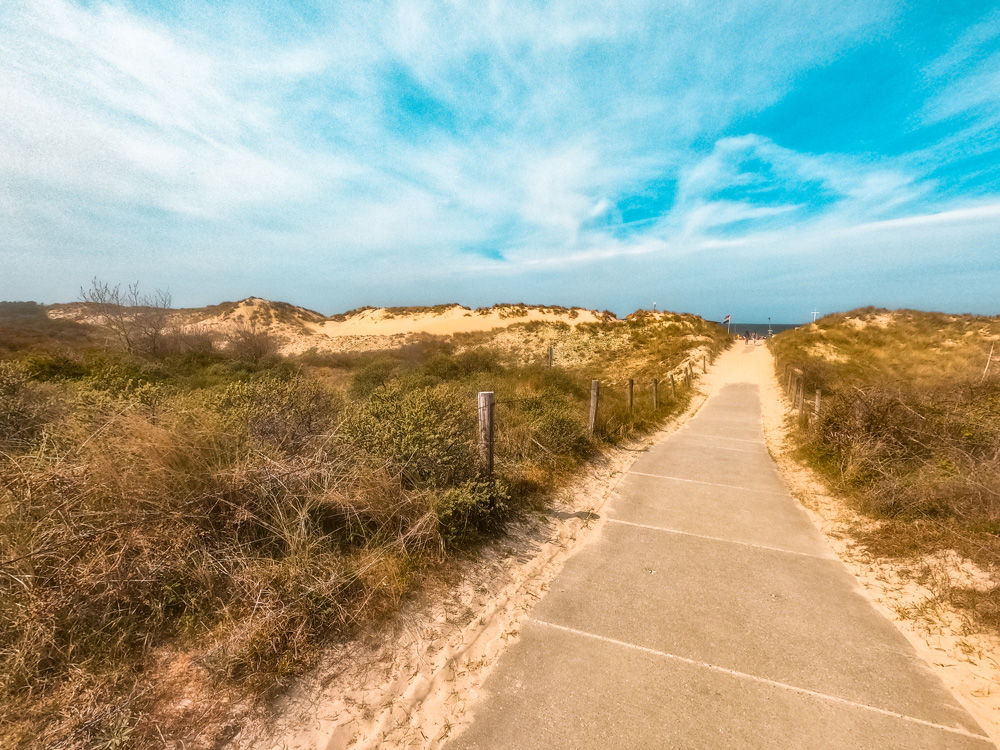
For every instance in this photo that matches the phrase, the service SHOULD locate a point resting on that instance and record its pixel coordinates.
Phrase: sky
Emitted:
(764, 159)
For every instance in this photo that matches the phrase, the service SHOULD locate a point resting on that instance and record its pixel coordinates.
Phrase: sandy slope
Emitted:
(454, 319)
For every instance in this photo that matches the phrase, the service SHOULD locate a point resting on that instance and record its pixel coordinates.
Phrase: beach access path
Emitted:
(708, 612)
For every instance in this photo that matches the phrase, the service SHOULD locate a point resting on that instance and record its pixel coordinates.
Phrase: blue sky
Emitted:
(760, 159)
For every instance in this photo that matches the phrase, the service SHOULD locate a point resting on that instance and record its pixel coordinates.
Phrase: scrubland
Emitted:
(909, 431)
(212, 511)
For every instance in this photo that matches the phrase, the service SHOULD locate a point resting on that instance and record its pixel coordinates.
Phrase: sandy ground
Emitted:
(965, 658)
(410, 687)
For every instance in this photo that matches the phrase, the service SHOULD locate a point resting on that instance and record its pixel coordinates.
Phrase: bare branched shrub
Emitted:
(250, 342)
(196, 341)
(138, 321)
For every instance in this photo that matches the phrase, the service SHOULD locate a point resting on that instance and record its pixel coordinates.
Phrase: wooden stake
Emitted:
(673, 387)
(486, 409)
(704, 364)
(631, 390)
(595, 390)
(551, 355)
(988, 362)
(656, 395)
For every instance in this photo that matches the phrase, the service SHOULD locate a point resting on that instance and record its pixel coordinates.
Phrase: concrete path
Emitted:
(708, 612)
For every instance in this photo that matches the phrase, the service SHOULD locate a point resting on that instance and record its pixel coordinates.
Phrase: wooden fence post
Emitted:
(486, 404)
(689, 374)
(656, 395)
(673, 387)
(704, 364)
(631, 391)
(816, 407)
(595, 390)
(551, 355)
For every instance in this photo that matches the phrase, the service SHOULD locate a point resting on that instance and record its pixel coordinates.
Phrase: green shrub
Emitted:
(563, 432)
(278, 412)
(425, 433)
(464, 365)
(45, 366)
(473, 510)
(372, 375)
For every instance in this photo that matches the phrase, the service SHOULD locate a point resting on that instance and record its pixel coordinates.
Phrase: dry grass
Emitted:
(199, 520)
(910, 430)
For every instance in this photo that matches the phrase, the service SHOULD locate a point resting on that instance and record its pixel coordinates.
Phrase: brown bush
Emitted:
(249, 342)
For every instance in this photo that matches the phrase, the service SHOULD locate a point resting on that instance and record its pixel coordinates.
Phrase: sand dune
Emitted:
(299, 329)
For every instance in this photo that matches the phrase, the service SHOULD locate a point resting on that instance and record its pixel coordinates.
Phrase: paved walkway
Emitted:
(708, 612)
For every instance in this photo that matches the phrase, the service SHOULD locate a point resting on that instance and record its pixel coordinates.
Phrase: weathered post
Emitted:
(656, 394)
(704, 364)
(673, 387)
(486, 404)
(816, 406)
(799, 383)
(551, 355)
(595, 389)
(631, 391)
(689, 374)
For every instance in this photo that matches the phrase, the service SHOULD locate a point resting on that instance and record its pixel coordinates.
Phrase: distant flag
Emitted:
(726, 319)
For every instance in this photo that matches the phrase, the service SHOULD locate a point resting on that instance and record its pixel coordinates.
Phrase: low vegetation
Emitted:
(212, 515)
(909, 428)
